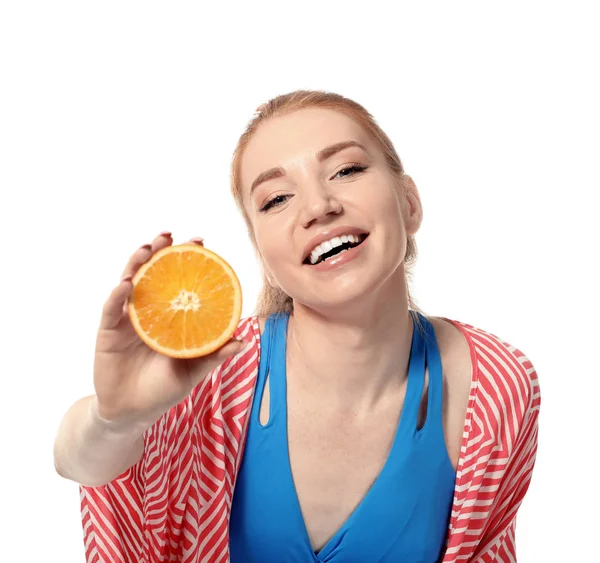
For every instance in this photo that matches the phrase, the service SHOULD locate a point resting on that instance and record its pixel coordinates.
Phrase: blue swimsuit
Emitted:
(404, 515)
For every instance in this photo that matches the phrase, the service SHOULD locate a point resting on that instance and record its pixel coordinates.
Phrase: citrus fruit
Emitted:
(186, 301)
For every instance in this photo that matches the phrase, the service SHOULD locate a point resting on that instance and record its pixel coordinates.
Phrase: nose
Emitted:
(318, 204)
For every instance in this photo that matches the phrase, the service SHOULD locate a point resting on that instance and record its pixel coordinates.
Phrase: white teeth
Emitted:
(328, 245)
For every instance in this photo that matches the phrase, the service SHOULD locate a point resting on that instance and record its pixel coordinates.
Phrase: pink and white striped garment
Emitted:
(174, 504)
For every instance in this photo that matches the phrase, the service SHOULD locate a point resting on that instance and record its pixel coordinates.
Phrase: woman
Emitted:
(341, 424)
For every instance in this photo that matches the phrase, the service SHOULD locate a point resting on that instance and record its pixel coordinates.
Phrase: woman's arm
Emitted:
(93, 451)
(498, 539)
(497, 452)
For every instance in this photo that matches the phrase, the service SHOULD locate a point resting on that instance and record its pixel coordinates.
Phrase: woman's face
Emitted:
(330, 225)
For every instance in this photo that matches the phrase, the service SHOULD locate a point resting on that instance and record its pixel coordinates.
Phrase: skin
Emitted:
(350, 335)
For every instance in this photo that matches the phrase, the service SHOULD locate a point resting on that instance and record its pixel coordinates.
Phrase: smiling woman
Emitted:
(352, 161)
(344, 424)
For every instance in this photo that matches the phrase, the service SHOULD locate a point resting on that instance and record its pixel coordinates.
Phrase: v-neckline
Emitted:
(333, 542)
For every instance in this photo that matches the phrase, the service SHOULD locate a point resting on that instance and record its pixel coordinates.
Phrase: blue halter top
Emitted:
(404, 515)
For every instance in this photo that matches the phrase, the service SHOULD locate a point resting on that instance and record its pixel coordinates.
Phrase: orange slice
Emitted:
(186, 301)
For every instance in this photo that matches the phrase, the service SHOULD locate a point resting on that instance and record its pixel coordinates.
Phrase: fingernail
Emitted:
(165, 234)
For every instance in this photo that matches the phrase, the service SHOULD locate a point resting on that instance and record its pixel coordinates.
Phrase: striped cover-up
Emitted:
(174, 504)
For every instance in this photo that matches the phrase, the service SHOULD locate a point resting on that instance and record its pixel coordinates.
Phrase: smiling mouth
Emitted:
(335, 251)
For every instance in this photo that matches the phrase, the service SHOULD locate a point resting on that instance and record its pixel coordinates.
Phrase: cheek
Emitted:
(382, 205)
(393, 210)
(264, 242)
(273, 245)
(390, 215)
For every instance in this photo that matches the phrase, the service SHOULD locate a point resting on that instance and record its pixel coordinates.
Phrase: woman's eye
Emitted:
(354, 169)
(343, 173)
(275, 201)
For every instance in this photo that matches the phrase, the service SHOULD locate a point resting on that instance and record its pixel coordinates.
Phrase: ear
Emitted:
(271, 280)
(413, 210)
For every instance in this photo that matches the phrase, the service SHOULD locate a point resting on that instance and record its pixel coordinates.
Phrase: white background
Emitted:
(118, 121)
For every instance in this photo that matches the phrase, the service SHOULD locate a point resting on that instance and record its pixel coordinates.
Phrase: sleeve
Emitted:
(497, 455)
(498, 540)
(153, 511)
(117, 517)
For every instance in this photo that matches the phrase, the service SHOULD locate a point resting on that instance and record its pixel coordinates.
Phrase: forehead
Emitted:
(294, 139)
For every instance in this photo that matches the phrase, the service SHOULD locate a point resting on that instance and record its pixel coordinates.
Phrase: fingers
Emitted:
(197, 240)
(114, 306)
(144, 253)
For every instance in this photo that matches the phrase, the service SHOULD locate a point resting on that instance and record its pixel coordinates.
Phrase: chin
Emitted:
(345, 292)
(351, 284)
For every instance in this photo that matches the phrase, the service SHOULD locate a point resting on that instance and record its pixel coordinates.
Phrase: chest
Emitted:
(336, 456)
(334, 462)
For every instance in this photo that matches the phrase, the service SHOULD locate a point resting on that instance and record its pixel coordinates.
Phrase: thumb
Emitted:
(206, 364)
(230, 348)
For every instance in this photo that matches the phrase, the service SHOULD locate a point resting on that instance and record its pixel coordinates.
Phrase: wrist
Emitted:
(121, 425)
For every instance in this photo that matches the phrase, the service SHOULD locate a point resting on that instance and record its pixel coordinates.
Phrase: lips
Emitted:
(329, 234)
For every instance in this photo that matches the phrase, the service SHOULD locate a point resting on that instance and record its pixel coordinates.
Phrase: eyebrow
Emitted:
(322, 155)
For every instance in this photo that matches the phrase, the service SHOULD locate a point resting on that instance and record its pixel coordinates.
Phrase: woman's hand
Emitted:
(135, 384)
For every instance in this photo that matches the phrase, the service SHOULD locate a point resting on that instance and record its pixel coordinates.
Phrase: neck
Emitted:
(356, 356)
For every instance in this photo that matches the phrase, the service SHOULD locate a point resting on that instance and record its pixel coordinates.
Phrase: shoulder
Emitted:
(499, 442)
(249, 329)
(498, 360)
(504, 381)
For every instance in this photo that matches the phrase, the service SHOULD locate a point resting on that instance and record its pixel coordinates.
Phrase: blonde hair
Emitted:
(274, 300)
